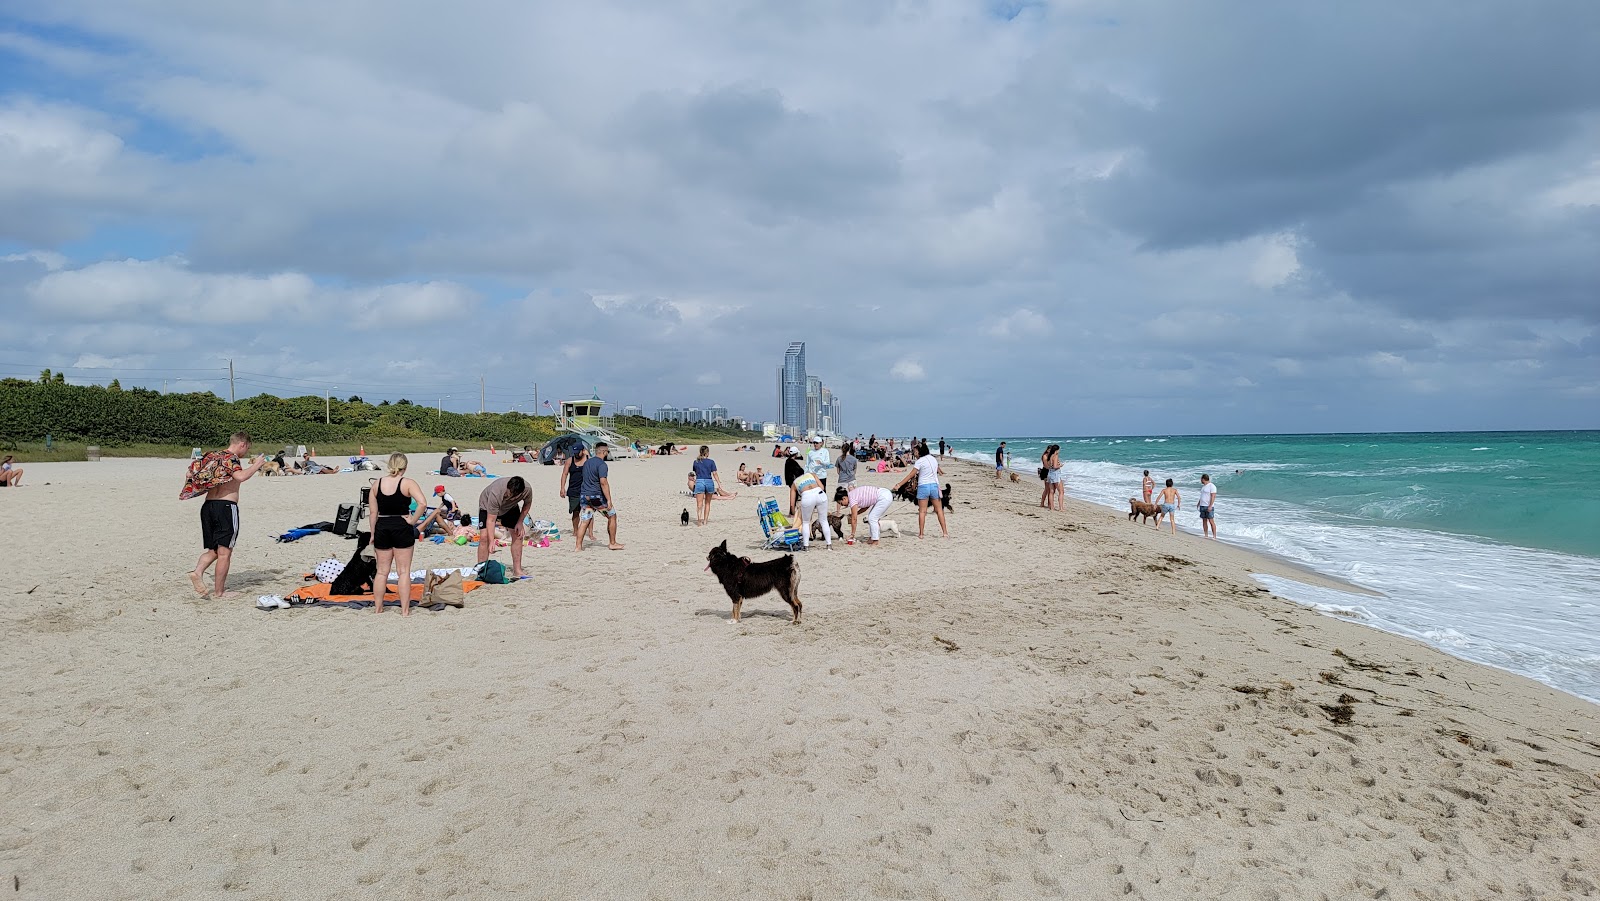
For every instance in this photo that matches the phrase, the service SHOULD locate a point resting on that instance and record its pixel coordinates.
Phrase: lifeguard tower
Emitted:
(583, 417)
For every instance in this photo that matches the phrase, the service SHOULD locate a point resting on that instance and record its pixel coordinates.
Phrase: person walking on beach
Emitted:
(847, 466)
(1208, 507)
(506, 502)
(596, 494)
(926, 471)
(1170, 499)
(999, 460)
(707, 484)
(1149, 486)
(571, 486)
(394, 531)
(941, 445)
(218, 475)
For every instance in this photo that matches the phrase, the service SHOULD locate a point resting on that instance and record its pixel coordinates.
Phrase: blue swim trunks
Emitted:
(1206, 513)
(1168, 508)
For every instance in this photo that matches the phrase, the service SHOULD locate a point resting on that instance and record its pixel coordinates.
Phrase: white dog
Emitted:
(887, 527)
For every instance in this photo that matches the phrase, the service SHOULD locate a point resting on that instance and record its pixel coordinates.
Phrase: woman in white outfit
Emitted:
(808, 497)
(869, 499)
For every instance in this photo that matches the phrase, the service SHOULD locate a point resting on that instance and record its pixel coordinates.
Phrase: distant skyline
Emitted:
(1031, 218)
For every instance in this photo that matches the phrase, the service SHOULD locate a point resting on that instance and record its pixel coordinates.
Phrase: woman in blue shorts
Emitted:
(707, 484)
(926, 471)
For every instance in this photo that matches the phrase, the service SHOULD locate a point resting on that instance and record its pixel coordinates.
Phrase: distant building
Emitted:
(769, 430)
(667, 413)
(717, 413)
(632, 410)
(693, 414)
(793, 396)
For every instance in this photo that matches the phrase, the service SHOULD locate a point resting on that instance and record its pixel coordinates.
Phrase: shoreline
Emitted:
(1253, 560)
(1037, 706)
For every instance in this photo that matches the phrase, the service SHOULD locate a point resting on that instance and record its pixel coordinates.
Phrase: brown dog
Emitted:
(1140, 508)
(1015, 477)
(835, 522)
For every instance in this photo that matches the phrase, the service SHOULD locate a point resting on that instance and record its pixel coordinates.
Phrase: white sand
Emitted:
(1046, 705)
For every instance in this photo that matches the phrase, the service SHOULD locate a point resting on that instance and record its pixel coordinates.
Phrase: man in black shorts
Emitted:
(505, 502)
(219, 517)
(571, 486)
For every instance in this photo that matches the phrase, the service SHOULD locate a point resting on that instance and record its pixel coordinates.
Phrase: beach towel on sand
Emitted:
(320, 595)
(207, 472)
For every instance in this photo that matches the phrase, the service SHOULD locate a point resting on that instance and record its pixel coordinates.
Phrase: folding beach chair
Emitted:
(778, 534)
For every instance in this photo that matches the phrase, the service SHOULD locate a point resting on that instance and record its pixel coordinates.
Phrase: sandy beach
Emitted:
(1044, 705)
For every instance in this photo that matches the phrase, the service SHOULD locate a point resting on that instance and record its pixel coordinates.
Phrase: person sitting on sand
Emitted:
(440, 518)
(449, 464)
(10, 474)
(312, 468)
(1169, 499)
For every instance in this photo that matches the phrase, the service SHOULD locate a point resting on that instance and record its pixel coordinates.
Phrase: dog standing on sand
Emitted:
(1142, 508)
(743, 578)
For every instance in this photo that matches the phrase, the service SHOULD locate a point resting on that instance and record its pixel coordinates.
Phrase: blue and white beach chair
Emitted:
(779, 534)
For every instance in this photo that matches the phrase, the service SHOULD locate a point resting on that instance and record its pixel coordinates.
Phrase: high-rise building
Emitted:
(794, 386)
(666, 413)
(813, 403)
(632, 410)
(716, 413)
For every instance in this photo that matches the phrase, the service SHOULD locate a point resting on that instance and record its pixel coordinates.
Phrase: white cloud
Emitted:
(1020, 323)
(167, 289)
(907, 370)
(49, 259)
(1276, 261)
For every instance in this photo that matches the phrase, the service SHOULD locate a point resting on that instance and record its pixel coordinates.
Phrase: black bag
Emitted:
(344, 523)
(357, 575)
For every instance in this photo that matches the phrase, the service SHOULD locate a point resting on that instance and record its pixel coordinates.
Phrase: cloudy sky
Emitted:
(983, 216)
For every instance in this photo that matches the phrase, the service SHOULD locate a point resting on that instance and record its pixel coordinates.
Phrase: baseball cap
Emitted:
(816, 441)
(438, 489)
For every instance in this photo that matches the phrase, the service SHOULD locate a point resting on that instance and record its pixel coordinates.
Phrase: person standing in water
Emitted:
(1208, 507)
(1149, 486)
(1170, 499)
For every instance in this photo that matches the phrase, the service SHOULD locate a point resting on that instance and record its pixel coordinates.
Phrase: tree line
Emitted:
(110, 415)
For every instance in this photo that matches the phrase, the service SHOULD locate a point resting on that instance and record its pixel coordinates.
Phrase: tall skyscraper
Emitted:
(794, 386)
(813, 403)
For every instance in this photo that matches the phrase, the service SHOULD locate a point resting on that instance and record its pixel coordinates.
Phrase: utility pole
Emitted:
(536, 398)
(480, 394)
(230, 381)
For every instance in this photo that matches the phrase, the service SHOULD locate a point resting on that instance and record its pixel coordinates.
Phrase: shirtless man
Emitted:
(219, 519)
(1170, 501)
(1149, 486)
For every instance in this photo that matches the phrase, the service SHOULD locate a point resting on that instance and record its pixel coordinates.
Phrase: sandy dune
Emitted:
(1046, 705)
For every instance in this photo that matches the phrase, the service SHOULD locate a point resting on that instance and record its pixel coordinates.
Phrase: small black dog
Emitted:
(741, 578)
(357, 576)
(684, 519)
(908, 492)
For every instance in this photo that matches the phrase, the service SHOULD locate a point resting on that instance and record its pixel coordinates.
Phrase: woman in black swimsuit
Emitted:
(394, 530)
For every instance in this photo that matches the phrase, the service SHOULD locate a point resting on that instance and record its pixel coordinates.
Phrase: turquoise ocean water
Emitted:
(1485, 544)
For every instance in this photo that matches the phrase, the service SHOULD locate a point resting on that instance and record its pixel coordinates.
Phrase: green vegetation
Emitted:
(141, 422)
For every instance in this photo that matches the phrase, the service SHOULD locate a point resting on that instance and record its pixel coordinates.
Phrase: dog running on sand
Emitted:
(684, 519)
(743, 578)
(1140, 508)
